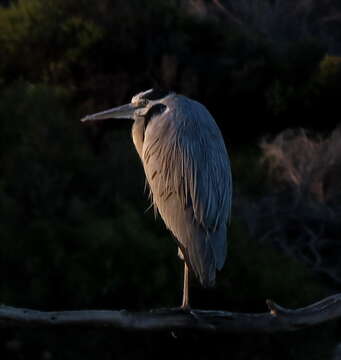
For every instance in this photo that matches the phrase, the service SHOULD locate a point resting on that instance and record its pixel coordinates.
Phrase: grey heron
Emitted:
(188, 171)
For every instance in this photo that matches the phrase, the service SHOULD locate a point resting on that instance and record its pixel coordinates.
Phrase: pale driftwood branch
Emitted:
(278, 319)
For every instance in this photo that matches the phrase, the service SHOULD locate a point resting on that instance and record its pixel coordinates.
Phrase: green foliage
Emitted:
(42, 43)
(329, 73)
(103, 53)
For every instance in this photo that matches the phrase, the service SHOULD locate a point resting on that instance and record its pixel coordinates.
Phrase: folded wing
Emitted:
(188, 171)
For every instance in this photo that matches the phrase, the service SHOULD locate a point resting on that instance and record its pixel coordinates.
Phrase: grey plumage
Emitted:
(188, 172)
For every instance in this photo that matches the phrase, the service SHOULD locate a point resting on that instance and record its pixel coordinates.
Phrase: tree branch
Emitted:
(278, 319)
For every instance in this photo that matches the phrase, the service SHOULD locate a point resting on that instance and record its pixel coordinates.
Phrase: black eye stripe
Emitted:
(155, 110)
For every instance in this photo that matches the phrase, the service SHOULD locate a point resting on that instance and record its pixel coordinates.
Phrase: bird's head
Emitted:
(141, 105)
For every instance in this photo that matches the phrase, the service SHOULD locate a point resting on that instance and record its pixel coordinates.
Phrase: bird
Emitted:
(188, 171)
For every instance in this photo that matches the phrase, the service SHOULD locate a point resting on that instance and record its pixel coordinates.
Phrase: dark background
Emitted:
(74, 230)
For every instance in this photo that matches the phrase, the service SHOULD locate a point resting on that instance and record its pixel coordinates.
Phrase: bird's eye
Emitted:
(143, 102)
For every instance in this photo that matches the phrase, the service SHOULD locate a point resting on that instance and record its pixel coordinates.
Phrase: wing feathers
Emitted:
(192, 188)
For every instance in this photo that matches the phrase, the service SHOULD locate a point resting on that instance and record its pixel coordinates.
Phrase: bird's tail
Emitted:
(207, 254)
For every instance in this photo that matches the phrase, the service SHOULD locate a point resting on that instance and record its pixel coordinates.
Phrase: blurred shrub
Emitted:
(300, 213)
(310, 166)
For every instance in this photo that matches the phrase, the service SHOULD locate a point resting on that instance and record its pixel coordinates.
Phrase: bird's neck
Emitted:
(138, 134)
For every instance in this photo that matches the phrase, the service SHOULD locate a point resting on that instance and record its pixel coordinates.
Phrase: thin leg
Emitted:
(185, 298)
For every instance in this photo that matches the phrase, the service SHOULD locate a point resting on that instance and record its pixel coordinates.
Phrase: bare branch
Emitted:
(230, 16)
(278, 319)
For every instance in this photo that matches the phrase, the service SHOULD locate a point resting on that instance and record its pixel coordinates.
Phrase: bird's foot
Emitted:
(185, 307)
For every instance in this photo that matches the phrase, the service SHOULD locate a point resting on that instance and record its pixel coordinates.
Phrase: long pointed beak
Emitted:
(120, 112)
